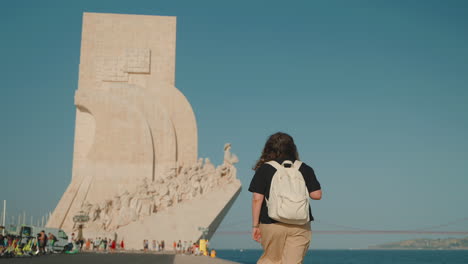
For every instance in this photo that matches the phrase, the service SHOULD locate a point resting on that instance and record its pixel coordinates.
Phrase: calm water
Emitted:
(361, 256)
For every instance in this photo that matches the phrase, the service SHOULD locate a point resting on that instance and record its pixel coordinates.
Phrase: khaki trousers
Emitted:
(283, 243)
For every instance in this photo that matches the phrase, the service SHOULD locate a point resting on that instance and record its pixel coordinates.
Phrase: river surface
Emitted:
(361, 256)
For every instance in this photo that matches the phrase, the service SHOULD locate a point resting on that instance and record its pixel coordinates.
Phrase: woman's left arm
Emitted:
(316, 195)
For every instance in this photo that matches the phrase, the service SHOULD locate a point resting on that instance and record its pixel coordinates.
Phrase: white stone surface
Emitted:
(136, 170)
(138, 60)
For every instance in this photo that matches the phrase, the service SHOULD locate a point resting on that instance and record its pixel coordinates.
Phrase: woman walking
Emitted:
(284, 241)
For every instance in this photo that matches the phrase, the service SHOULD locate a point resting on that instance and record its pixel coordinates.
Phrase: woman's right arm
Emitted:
(257, 200)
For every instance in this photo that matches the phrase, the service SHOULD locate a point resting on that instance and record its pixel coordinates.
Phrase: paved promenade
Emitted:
(117, 258)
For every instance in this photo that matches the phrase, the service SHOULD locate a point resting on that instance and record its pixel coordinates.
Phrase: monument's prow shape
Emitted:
(136, 172)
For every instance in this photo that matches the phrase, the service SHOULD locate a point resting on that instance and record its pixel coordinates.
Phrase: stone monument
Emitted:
(136, 173)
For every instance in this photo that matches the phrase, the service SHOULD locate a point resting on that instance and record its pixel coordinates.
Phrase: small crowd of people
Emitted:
(79, 243)
(104, 244)
(98, 244)
(26, 243)
(185, 248)
(156, 246)
(15, 245)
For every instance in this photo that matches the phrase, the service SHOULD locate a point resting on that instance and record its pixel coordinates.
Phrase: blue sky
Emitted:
(374, 93)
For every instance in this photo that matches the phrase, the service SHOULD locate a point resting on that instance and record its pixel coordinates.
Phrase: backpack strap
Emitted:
(297, 164)
(274, 164)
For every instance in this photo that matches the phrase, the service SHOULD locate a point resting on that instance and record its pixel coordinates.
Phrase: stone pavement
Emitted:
(117, 258)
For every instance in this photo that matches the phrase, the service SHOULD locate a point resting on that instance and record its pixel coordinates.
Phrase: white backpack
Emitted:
(289, 198)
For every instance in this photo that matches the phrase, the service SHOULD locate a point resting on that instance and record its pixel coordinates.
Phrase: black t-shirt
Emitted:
(261, 183)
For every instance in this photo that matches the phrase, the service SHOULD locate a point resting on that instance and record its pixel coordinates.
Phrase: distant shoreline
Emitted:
(426, 244)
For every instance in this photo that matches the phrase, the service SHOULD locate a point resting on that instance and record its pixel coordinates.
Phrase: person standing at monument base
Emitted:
(80, 238)
(42, 242)
(285, 240)
(122, 245)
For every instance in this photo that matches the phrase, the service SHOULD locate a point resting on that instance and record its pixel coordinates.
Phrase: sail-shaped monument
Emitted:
(136, 172)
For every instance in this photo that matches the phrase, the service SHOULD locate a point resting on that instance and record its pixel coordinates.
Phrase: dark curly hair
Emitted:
(278, 146)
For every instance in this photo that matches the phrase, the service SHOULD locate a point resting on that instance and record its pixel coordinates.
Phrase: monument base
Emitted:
(176, 223)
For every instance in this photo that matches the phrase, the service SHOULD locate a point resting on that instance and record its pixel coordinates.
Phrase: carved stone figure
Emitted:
(229, 158)
(96, 211)
(209, 167)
